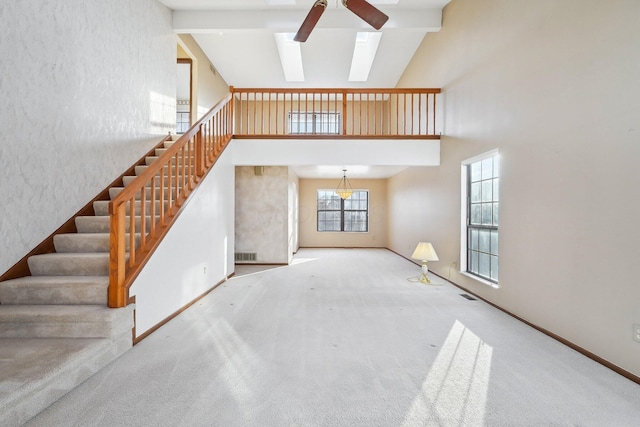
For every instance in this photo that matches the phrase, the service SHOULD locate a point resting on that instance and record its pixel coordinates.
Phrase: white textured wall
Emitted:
(86, 87)
(554, 86)
(195, 255)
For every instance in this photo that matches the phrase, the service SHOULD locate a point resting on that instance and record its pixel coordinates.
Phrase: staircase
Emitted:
(55, 327)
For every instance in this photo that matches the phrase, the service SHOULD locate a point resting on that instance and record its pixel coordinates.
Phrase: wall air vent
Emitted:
(246, 256)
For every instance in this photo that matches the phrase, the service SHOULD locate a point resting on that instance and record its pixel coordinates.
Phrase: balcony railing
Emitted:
(336, 113)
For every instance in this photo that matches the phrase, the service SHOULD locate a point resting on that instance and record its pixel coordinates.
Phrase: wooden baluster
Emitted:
(375, 113)
(419, 114)
(368, 104)
(434, 114)
(143, 222)
(278, 132)
(397, 104)
(200, 151)
(152, 225)
(132, 229)
(170, 196)
(346, 117)
(255, 113)
(180, 170)
(162, 190)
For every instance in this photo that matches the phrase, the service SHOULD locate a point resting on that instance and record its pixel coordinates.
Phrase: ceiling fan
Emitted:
(365, 10)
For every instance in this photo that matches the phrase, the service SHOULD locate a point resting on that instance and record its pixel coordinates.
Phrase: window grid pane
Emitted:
(350, 215)
(313, 122)
(483, 217)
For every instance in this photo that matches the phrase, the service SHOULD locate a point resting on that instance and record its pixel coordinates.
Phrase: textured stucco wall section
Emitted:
(87, 87)
(262, 206)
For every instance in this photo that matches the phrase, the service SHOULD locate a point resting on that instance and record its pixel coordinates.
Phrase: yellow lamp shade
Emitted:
(425, 252)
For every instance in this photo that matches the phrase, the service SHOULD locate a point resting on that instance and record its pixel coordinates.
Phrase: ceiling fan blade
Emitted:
(365, 10)
(311, 20)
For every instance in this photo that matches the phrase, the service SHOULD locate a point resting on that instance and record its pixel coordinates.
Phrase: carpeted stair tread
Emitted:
(69, 313)
(101, 207)
(75, 264)
(32, 290)
(28, 385)
(100, 224)
(64, 321)
(114, 191)
(142, 168)
(86, 242)
(126, 180)
(150, 159)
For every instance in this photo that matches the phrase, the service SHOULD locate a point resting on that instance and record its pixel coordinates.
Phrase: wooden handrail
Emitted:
(343, 113)
(169, 181)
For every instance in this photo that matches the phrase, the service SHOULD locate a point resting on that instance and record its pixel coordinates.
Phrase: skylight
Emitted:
(364, 53)
(290, 57)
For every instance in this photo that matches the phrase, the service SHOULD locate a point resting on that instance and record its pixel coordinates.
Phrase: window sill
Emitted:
(481, 280)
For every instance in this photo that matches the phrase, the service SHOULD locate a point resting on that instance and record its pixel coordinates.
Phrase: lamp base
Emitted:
(424, 279)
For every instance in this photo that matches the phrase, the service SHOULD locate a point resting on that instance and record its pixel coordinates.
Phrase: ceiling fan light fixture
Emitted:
(365, 10)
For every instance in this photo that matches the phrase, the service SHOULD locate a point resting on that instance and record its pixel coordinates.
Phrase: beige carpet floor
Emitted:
(342, 338)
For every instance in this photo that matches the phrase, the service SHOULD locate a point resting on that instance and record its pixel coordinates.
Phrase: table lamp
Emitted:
(424, 252)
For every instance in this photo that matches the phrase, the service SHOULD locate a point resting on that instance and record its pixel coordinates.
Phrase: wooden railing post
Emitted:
(117, 292)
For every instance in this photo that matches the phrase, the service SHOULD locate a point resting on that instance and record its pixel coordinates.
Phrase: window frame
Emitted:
(466, 246)
(342, 210)
(315, 123)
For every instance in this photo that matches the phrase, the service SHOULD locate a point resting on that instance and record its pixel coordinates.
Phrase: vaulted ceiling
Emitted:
(239, 37)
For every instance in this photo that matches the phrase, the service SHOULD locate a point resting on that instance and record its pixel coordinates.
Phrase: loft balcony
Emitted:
(336, 113)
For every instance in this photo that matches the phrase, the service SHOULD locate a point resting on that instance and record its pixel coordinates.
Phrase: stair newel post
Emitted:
(117, 292)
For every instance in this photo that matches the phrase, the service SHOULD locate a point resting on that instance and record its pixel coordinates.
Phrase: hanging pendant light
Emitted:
(344, 189)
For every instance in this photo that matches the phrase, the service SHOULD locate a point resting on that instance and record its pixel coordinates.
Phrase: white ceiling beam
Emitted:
(207, 21)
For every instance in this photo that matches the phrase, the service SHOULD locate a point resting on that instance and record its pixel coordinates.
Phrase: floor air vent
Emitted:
(246, 256)
(467, 296)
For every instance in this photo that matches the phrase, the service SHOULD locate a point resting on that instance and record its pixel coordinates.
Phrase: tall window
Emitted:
(183, 121)
(336, 214)
(482, 217)
(308, 122)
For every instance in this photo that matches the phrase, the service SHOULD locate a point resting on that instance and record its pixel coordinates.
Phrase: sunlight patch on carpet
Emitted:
(455, 390)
